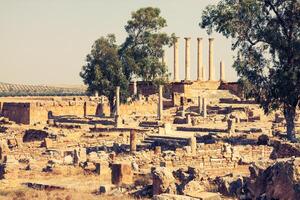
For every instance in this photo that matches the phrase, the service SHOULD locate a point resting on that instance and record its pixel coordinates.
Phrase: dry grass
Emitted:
(31, 194)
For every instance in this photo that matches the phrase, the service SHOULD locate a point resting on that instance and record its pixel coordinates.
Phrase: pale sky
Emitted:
(46, 41)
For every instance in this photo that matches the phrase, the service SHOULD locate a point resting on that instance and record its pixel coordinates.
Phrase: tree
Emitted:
(143, 48)
(266, 35)
(103, 70)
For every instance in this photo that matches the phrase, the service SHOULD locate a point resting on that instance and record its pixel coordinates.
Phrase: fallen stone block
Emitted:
(192, 188)
(163, 181)
(32, 135)
(105, 188)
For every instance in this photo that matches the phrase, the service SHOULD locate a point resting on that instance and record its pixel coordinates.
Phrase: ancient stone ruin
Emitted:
(189, 139)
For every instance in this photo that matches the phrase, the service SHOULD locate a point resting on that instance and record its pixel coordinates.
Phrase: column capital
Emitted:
(187, 38)
(211, 39)
(199, 38)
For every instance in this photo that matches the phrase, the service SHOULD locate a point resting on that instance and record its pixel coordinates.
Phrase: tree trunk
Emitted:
(289, 115)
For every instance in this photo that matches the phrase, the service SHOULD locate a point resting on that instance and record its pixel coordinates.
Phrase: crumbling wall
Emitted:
(219, 155)
(139, 107)
(17, 112)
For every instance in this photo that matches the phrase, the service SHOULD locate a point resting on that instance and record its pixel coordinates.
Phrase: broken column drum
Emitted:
(193, 144)
(160, 103)
(134, 88)
(204, 107)
(133, 140)
(84, 109)
(199, 105)
(230, 126)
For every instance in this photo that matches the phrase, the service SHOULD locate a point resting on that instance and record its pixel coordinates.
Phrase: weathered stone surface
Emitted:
(230, 185)
(121, 173)
(163, 181)
(279, 181)
(34, 135)
(172, 197)
(193, 188)
(68, 160)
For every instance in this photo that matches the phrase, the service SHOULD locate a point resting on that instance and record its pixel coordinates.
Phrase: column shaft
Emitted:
(222, 71)
(199, 105)
(117, 112)
(199, 60)
(134, 88)
(211, 59)
(176, 60)
(160, 103)
(204, 109)
(132, 140)
(187, 59)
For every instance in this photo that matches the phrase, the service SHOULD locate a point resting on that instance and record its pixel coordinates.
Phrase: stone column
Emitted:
(133, 140)
(118, 120)
(199, 60)
(193, 144)
(211, 59)
(187, 59)
(188, 118)
(84, 109)
(204, 110)
(117, 112)
(222, 71)
(176, 60)
(160, 103)
(134, 88)
(230, 126)
(199, 105)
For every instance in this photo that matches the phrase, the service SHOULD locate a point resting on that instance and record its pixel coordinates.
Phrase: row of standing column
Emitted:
(200, 68)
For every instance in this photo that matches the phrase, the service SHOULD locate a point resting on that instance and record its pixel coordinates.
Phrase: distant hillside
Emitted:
(7, 89)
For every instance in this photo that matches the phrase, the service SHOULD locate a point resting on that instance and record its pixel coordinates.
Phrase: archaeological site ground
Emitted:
(186, 140)
(150, 114)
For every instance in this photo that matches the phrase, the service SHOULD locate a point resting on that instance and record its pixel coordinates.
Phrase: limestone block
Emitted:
(80, 155)
(163, 181)
(68, 160)
(121, 173)
(157, 150)
(192, 188)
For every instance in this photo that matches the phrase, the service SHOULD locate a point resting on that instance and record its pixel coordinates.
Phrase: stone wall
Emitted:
(17, 112)
(32, 111)
(218, 156)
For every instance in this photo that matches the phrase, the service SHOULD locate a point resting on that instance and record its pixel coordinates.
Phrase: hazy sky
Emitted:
(46, 41)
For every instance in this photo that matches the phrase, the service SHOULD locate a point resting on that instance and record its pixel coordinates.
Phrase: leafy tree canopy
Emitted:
(266, 36)
(143, 48)
(103, 70)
